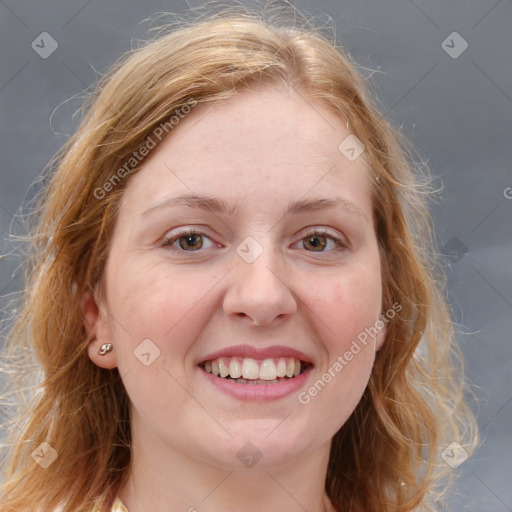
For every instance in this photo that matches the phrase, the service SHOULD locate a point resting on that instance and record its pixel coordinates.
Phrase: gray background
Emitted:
(457, 111)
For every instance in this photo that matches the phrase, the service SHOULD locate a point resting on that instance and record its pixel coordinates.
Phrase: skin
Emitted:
(263, 148)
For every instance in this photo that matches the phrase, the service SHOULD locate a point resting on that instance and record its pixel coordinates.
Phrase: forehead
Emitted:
(259, 142)
(249, 121)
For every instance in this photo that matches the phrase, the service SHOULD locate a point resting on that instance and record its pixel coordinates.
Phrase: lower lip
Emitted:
(258, 392)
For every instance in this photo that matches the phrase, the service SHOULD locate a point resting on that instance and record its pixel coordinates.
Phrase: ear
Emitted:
(95, 320)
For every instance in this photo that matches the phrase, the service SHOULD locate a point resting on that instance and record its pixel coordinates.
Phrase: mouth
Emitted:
(248, 370)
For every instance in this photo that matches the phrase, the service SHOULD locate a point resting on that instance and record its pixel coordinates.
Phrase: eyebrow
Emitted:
(218, 205)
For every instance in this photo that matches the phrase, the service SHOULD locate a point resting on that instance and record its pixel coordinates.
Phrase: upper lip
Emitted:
(257, 353)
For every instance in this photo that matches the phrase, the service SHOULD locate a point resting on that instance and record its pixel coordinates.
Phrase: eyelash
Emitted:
(169, 240)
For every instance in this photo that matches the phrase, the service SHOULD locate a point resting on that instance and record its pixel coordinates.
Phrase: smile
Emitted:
(247, 370)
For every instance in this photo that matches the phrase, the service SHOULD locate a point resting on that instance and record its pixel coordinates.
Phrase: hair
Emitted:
(386, 457)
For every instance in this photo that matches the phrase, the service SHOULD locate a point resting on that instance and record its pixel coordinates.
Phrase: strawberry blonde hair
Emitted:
(386, 457)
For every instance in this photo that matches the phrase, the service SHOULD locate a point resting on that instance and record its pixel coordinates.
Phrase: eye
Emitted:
(319, 239)
(188, 240)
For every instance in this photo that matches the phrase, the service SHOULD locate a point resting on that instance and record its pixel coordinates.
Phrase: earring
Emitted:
(106, 347)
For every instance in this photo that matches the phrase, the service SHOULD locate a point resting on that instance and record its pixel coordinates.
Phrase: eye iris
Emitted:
(190, 240)
(317, 245)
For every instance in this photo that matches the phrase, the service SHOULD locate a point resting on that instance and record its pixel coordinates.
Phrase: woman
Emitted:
(232, 294)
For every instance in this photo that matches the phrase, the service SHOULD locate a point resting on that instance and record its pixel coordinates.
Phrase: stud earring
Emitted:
(106, 347)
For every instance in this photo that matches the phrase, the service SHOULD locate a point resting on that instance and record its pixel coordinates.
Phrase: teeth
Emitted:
(268, 370)
(223, 369)
(250, 371)
(297, 368)
(290, 368)
(235, 368)
(281, 367)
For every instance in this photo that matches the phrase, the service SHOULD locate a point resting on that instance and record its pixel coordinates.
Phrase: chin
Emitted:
(247, 450)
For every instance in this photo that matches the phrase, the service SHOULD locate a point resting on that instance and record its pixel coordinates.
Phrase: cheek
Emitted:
(346, 309)
(349, 304)
(168, 311)
(155, 303)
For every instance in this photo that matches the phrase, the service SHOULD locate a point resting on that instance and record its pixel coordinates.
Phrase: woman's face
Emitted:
(255, 286)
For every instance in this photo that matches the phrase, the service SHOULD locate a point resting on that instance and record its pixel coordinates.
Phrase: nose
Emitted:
(259, 292)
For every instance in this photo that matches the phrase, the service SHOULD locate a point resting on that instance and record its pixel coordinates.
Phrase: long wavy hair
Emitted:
(386, 457)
